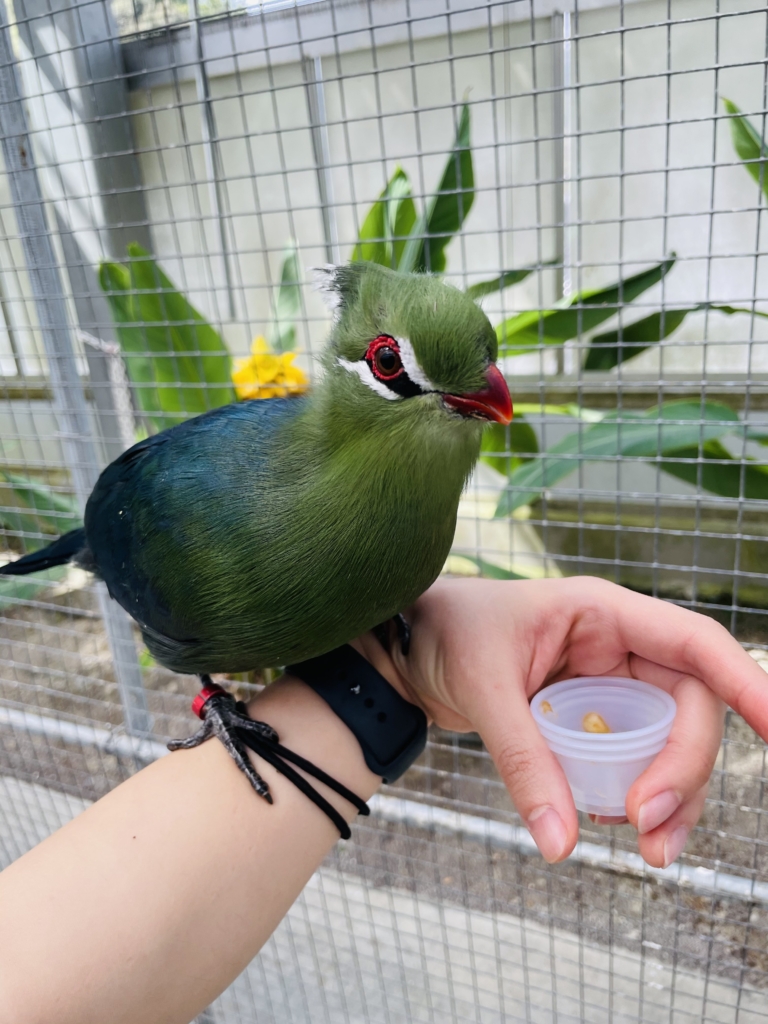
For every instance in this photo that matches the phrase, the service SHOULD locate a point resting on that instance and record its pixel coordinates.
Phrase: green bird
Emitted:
(268, 532)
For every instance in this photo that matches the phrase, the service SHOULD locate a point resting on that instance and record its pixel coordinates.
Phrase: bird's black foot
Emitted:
(224, 717)
(382, 633)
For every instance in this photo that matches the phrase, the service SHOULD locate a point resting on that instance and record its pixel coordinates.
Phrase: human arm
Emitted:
(146, 906)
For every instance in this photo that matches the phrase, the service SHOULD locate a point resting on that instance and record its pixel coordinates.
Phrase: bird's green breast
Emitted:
(337, 537)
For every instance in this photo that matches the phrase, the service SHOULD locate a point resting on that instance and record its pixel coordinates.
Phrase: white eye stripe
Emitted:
(411, 365)
(363, 370)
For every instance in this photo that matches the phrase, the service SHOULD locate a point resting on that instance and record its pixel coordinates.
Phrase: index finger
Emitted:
(697, 646)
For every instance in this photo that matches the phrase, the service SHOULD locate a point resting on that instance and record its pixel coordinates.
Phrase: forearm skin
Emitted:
(146, 906)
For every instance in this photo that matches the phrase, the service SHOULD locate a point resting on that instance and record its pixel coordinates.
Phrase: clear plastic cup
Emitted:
(601, 767)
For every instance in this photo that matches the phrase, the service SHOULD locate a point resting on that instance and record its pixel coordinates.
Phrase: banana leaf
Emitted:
(387, 224)
(175, 358)
(49, 511)
(615, 347)
(115, 281)
(287, 305)
(489, 570)
(20, 588)
(16, 521)
(446, 210)
(517, 438)
(577, 314)
(605, 350)
(658, 431)
(719, 472)
(497, 284)
(749, 146)
(577, 412)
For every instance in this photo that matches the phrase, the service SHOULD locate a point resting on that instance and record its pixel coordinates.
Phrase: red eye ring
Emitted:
(383, 357)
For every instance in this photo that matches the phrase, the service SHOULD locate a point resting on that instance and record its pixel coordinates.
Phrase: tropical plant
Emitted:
(39, 511)
(177, 362)
(179, 367)
(394, 234)
(750, 147)
(685, 439)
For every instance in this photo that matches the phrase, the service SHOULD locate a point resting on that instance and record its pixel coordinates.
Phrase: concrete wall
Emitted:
(646, 188)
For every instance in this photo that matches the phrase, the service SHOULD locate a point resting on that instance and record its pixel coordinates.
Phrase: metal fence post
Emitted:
(562, 129)
(211, 152)
(318, 119)
(78, 112)
(80, 451)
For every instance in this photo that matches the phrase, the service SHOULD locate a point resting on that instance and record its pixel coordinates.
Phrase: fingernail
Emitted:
(656, 810)
(548, 831)
(674, 845)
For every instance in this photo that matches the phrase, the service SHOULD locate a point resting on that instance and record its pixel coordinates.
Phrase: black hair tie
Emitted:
(277, 755)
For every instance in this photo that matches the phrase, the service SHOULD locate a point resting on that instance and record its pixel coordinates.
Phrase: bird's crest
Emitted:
(338, 285)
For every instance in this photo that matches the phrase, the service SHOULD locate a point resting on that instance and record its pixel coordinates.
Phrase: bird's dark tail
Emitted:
(58, 553)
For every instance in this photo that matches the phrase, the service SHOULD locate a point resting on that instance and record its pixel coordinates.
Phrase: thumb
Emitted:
(532, 775)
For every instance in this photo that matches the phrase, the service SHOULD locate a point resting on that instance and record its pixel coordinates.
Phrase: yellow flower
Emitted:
(264, 374)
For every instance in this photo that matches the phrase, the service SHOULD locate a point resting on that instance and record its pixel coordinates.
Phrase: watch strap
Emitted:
(391, 731)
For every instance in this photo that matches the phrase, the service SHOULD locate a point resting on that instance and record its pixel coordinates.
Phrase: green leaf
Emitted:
(489, 570)
(577, 412)
(282, 331)
(21, 588)
(175, 358)
(664, 428)
(749, 147)
(115, 281)
(446, 210)
(605, 352)
(50, 512)
(515, 437)
(20, 522)
(731, 310)
(577, 314)
(615, 347)
(388, 224)
(497, 284)
(718, 473)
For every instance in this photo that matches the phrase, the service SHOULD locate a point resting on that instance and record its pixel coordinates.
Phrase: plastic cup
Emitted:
(601, 767)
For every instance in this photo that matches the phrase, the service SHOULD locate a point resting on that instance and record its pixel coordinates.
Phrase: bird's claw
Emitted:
(224, 717)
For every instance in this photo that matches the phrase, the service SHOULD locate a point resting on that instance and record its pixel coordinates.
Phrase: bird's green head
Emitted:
(411, 342)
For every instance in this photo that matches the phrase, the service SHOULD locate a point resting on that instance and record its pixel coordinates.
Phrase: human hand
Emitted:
(482, 648)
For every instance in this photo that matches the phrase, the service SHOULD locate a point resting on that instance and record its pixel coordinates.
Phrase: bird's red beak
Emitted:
(493, 402)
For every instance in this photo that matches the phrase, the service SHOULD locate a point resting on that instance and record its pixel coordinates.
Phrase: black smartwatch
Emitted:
(391, 731)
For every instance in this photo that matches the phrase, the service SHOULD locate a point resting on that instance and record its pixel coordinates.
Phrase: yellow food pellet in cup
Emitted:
(592, 722)
(546, 707)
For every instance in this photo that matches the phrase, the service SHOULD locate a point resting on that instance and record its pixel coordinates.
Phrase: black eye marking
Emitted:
(383, 358)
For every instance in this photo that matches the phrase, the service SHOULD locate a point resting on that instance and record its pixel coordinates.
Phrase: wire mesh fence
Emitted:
(170, 173)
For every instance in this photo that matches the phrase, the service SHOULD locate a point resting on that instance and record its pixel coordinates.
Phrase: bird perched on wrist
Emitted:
(268, 532)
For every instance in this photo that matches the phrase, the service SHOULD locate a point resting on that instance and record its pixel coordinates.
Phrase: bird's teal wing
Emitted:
(174, 491)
